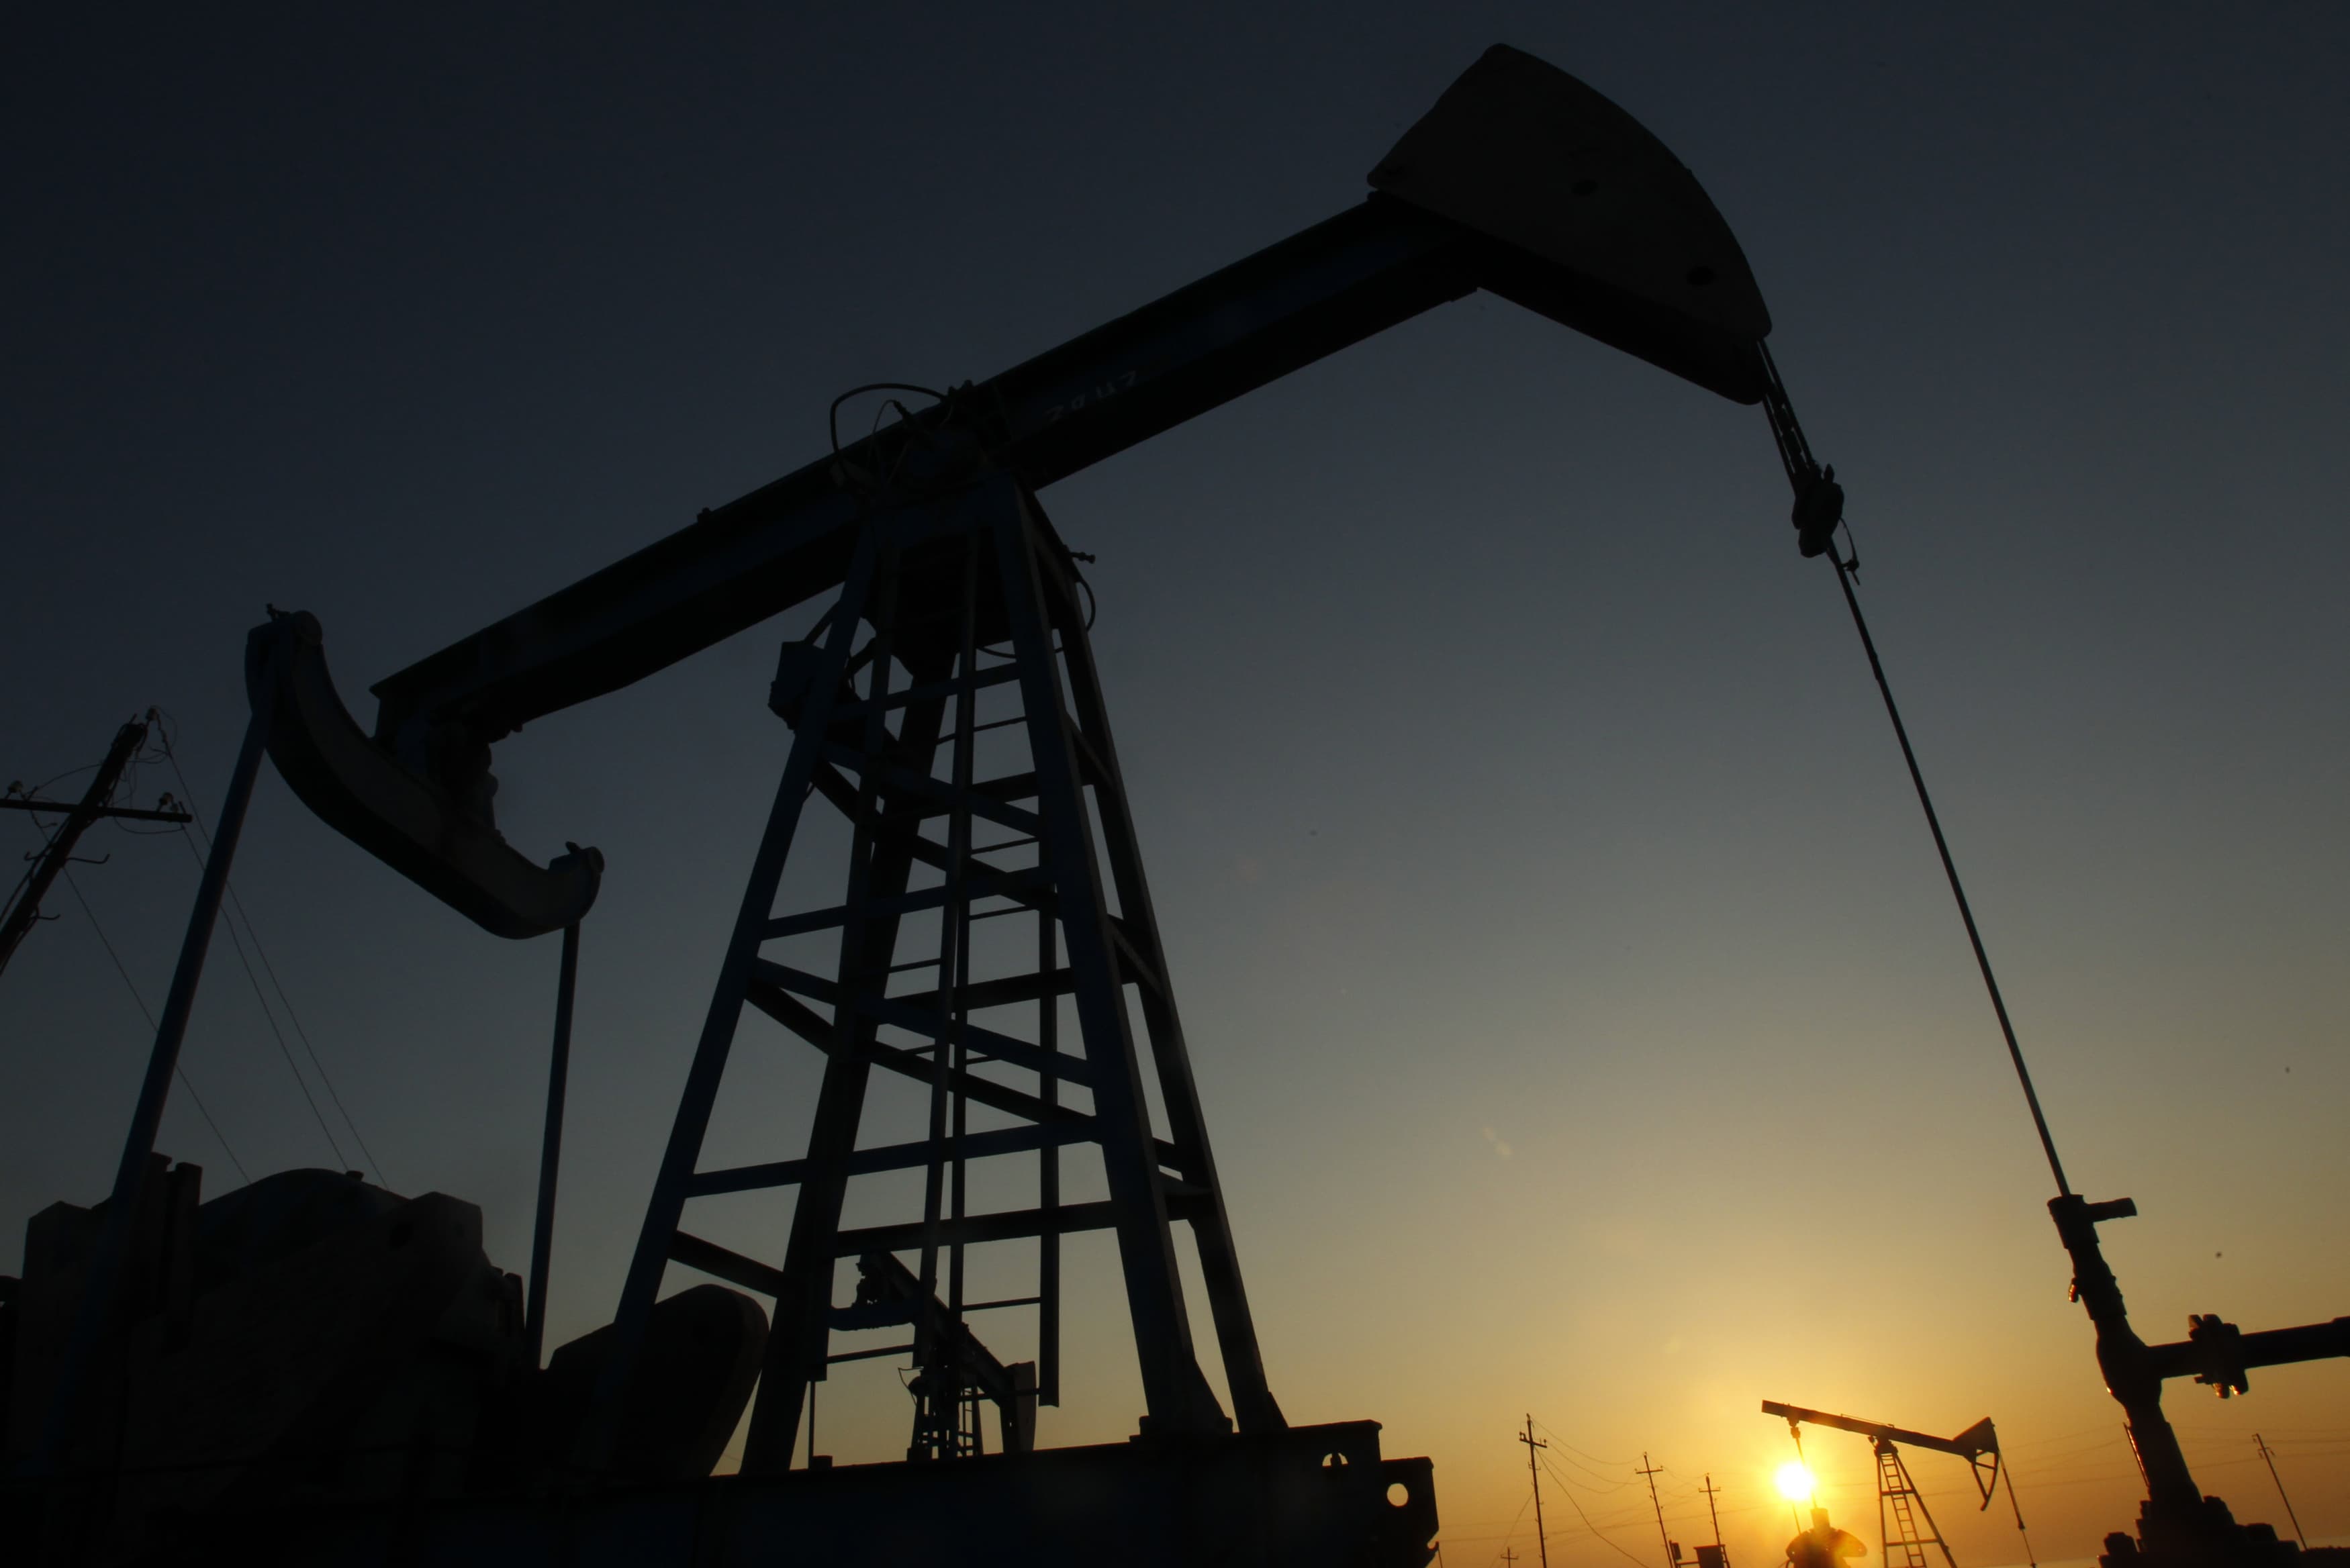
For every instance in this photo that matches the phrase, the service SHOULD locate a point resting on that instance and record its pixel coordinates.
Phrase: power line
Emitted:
(79, 817)
(187, 798)
(58, 843)
(1587, 1469)
(1570, 1448)
(1512, 1535)
(127, 739)
(1614, 1514)
(278, 1035)
(1595, 1529)
(303, 1035)
(197, 1100)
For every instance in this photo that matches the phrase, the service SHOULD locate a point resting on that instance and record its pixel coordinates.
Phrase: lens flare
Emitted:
(1796, 1483)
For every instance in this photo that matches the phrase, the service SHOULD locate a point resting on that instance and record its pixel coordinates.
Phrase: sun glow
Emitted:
(1796, 1483)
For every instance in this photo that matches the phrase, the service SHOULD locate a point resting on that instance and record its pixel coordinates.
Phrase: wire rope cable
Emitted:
(1594, 1530)
(1847, 569)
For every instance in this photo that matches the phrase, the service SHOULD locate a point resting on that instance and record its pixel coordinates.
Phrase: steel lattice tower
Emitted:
(1900, 1510)
(993, 942)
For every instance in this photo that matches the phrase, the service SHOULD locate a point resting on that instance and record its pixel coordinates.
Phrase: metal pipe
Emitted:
(105, 1278)
(2130, 1373)
(550, 1148)
(2310, 1342)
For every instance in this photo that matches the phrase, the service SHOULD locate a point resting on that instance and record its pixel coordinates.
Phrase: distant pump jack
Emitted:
(1904, 1525)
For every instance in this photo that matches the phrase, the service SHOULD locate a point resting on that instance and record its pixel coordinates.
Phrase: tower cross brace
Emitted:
(948, 709)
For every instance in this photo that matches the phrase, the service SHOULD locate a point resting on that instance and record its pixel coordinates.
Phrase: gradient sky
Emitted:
(1582, 1019)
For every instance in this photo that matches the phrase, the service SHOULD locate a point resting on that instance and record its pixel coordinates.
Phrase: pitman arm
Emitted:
(1521, 180)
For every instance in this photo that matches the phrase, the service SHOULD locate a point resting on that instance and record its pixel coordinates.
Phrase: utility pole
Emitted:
(1672, 1558)
(1541, 1545)
(1509, 1554)
(102, 1281)
(1712, 1491)
(93, 805)
(2270, 1459)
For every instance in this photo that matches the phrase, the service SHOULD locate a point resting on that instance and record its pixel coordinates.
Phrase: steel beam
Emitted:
(869, 720)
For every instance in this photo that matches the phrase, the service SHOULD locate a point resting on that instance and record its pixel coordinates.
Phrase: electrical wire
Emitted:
(269, 1017)
(16, 789)
(1593, 1528)
(147, 757)
(69, 774)
(1595, 1458)
(1512, 1534)
(303, 1035)
(1589, 1486)
(48, 837)
(164, 726)
(132, 986)
(832, 417)
(1624, 1512)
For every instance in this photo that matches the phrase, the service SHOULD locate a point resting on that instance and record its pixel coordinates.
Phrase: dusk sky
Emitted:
(1581, 1014)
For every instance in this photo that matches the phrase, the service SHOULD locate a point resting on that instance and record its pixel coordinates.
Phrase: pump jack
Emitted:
(948, 694)
(1520, 181)
(951, 590)
(1899, 1505)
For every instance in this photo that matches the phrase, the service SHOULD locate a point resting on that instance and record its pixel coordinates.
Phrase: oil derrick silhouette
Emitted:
(992, 941)
(1900, 1508)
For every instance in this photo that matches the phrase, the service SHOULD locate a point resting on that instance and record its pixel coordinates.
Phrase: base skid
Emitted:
(1318, 1495)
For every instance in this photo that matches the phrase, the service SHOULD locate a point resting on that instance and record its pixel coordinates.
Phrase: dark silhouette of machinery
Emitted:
(990, 950)
(990, 954)
(1904, 1525)
(2177, 1526)
(1823, 1545)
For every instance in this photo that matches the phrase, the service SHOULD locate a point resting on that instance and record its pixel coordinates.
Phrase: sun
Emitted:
(1796, 1483)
